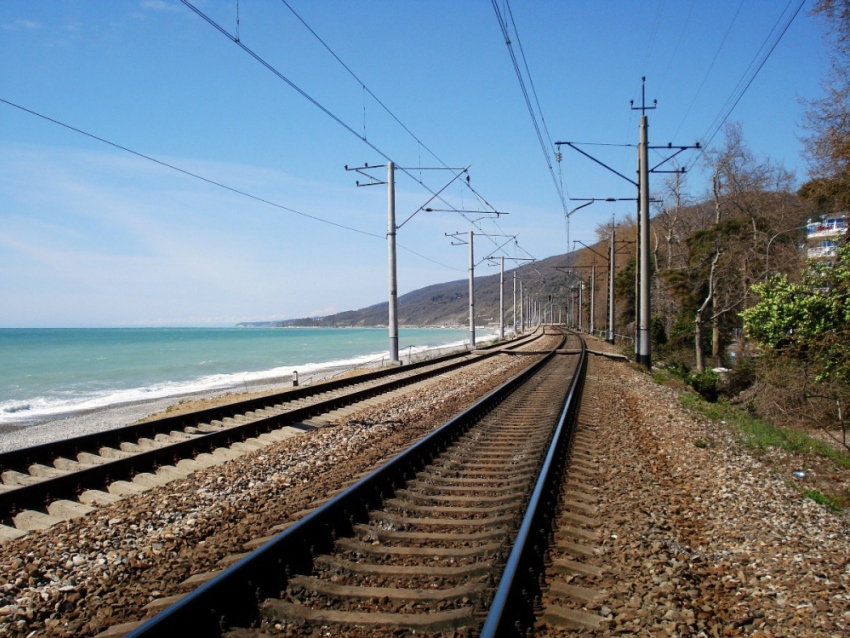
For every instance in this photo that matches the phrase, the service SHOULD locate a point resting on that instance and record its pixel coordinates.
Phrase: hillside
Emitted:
(447, 304)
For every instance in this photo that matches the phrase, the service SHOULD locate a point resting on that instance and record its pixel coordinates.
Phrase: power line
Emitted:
(366, 89)
(653, 31)
(710, 67)
(311, 99)
(362, 83)
(666, 74)
(190, 173)
(725, 112)
(528, 73)
(546, 155)
(213, 182)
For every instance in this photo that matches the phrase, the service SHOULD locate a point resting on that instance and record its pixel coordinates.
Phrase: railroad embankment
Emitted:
(700, 534)
(695, 533)
(118, 564)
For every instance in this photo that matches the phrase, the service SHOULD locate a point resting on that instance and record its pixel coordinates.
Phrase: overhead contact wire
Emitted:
(506, 35)
(312, 100)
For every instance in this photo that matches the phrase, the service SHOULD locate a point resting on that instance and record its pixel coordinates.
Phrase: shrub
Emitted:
(679, 369)
(740, 377)
(706, 384)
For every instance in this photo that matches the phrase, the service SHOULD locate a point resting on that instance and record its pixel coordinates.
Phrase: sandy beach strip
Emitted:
(14, 437)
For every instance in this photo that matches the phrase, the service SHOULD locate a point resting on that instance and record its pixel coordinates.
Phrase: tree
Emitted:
(757, 193)
(828, 118)
(708, 288)
(804, 331)
(807, 321)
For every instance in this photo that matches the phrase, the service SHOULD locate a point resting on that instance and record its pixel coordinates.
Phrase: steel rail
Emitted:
(512, 609)
(45, 453)
(72, 484)
(233, 597)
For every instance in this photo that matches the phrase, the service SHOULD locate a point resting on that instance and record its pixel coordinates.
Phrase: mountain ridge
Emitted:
(447, 304)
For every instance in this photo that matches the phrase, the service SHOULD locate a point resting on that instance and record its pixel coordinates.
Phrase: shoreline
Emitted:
(79, 423)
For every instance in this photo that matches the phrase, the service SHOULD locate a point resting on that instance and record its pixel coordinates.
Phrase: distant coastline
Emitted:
(49, 374)
(319, 324)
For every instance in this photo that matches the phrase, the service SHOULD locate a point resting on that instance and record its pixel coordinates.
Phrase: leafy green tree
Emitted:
(807, 321)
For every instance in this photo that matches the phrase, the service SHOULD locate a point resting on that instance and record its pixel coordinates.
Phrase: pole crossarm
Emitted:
(494, 258)
(457, 236)
(492, 255)
(679, 149)
(485, 213)
(568, 270)
(643, 108)
(600, 162)
(373, 181)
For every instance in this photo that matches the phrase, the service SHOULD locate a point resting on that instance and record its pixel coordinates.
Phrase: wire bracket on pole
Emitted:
(373, 181)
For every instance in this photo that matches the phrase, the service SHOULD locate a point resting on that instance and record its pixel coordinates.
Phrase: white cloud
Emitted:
(159, 5)
(101, 239)
(20, 25)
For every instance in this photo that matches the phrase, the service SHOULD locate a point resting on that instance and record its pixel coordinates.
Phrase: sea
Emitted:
(49, 373)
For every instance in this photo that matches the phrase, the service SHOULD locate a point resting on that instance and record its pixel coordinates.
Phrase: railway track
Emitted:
(438, 540)
(46, 484)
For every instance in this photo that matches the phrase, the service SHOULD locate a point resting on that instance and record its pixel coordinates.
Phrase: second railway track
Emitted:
(419, 545)
(44, 484)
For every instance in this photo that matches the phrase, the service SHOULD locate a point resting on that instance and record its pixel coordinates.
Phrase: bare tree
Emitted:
(828, 119)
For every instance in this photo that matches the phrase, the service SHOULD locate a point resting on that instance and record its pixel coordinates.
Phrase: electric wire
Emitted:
(309, 98)
(363, 84)
(380, 102)
(187, 172)
(682, 31)
(710, 67)
(752, 64)
(216, 183)
(653, 32)
(528, 74)
(503, 25)
(725, 112)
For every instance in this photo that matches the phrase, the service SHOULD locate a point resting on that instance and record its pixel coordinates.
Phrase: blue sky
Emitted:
(94, 236)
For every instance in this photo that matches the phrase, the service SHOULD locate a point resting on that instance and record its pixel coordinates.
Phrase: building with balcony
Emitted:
(823, 237)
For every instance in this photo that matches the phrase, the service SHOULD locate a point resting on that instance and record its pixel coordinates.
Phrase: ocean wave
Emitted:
(32, 410)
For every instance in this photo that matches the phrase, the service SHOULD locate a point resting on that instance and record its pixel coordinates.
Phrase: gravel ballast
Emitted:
(84, 575)
(699, 536)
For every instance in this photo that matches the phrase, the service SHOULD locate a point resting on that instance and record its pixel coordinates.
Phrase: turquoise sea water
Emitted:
(48, 372)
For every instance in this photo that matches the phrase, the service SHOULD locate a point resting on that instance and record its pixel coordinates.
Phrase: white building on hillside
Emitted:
(823, 237)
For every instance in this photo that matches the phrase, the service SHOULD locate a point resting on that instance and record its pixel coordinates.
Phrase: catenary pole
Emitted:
(592, 297)
(471, 293)
(637, 265)
(502, 298)
(521, 310)
(393, 281)
(611, 274)
(643, 311)
(514, 304)
(644, 356)
(580, 306)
